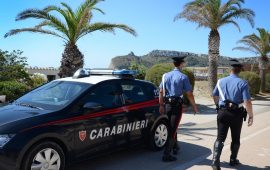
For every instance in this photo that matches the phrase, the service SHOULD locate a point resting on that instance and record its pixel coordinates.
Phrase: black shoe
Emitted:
(234, 162)
(175, 151)
(216, 167)
(168, 158)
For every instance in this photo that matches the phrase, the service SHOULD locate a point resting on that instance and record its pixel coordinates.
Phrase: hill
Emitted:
(164, 56)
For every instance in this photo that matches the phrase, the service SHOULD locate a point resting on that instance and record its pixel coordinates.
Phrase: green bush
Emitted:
(37, 79)
(12, 89)
(154, 74)
(254, 81)
(267, 81)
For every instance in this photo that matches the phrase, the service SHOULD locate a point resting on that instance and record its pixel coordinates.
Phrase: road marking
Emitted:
(203, 157)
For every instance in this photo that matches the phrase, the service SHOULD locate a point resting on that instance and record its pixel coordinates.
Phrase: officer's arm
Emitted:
(161, 98)
(190, 97)
(215, 95)
(247, 103)
(216, 99)
(248, 106)
(161, 102)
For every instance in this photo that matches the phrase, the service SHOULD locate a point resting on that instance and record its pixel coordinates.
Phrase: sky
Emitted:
(152, 20)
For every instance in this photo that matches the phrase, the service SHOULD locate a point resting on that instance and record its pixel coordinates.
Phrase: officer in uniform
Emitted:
(230, 94)
(173, 84)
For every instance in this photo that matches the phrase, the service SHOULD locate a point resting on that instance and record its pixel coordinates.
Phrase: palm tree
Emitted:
(212, 14)
(76, 25)
(260, 45)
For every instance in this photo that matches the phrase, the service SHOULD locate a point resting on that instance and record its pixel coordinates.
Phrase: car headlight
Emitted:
(4, 139)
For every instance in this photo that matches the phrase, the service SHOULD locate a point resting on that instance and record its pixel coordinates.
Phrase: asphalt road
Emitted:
(197, 135)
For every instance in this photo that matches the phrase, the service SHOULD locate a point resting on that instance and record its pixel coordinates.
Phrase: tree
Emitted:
(12, 66)
(260, 45)
(76, 24)
(212, 14)
(140, 68)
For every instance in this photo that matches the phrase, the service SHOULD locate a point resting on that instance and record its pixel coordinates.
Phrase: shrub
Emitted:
(254, 81)
(154, 74)
(267, 81)
(37, 79)
(12, 89)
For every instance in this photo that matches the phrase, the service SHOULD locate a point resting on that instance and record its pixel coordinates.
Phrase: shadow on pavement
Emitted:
(143, 159)
(227, 166)
(195, 132)
(262, 97)
(242, 167)
(203, 109)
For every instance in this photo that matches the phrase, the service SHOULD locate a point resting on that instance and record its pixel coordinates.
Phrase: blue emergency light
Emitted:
(82, 72)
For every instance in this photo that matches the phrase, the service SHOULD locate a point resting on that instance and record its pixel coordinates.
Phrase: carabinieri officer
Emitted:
(229, 95)
(172, 87)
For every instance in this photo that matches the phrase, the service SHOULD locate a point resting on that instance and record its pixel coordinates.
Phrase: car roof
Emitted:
(93, 79)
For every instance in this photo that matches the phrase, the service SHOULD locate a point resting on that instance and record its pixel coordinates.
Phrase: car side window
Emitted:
(108, 95)
(133, 93)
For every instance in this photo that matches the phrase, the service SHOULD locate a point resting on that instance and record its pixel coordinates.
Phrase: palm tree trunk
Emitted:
(263, 66)
(213, 55)
(72, 60)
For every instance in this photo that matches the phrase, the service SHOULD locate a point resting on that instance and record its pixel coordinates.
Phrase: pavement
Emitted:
(196, 135)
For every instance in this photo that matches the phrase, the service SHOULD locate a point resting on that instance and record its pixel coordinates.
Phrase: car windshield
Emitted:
(54, 95)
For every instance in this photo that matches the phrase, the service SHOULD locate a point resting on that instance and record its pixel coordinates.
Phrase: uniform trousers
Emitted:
(232, 119)
(174, 112)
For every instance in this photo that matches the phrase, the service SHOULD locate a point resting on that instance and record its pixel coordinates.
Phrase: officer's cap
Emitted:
(235, 63)
(178, 59)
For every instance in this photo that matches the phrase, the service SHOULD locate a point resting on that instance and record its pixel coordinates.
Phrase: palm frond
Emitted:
(194, 12)
(106, 27)
(35, 30)
(246, 49)
(232, 22)
(31, 13)
(42, 24)
(212, 14)
(240, 13)
(69, 28)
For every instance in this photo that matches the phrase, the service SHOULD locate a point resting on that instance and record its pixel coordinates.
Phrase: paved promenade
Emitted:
(197, 135)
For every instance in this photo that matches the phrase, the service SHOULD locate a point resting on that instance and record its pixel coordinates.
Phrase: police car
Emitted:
(75, 118)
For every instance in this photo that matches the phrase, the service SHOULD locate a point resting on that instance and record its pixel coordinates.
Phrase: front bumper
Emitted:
(7, 161)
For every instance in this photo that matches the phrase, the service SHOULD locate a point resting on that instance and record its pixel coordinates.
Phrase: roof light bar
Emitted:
(82, 72)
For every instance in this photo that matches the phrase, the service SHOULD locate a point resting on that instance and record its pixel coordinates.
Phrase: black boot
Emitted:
(233, 159)
(176, 148)
(216, 155)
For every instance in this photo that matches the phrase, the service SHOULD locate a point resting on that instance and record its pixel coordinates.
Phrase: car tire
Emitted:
(159, 136)
(46, 155)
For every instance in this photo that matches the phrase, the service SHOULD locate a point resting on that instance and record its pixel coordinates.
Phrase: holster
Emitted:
(244, 113)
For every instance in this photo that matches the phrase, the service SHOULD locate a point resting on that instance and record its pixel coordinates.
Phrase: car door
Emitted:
(101, 128)
(141, 106)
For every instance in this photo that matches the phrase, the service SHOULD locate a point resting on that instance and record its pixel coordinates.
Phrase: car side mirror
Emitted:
(92, 106)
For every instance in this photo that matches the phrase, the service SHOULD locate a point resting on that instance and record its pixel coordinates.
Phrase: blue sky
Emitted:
(152, 19)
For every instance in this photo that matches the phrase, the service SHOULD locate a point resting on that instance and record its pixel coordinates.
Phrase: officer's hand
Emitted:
(250, 121)
(195, 113)
(195, 110)
(161, 109)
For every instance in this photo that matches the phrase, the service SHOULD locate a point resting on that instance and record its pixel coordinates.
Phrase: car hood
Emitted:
(11, 113)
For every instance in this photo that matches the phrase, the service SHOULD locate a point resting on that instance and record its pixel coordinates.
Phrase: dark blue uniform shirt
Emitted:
(175, 83)
(234, 89)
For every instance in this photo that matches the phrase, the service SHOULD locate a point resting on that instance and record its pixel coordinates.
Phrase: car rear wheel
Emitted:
(45, 156)
(159, 135)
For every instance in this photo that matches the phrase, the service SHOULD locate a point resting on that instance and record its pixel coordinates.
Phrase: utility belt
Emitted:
(173, 100)
(231, 107)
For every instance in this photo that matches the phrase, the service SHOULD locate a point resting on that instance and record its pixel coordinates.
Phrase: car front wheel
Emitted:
(45, 156)
(159, 136)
